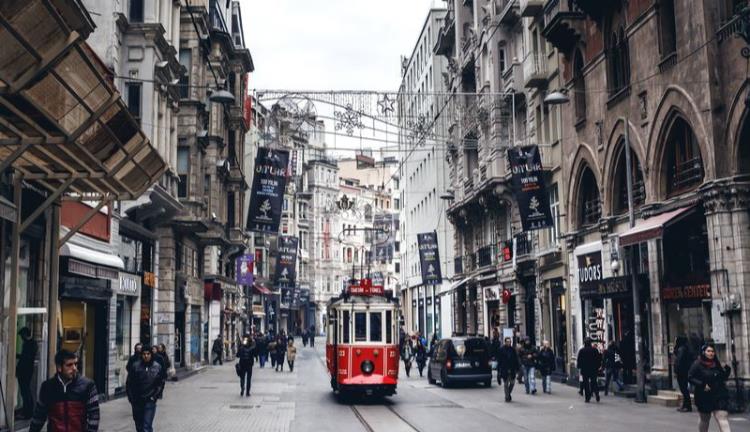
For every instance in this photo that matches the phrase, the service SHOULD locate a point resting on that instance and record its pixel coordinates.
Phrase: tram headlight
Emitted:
(367, 367)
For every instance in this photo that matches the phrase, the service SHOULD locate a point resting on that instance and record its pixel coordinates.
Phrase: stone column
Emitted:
(164, 293)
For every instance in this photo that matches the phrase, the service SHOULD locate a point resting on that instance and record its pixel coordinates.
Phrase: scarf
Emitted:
(709, 363)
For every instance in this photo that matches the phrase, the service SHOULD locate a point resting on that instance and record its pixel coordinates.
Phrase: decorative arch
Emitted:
(738, 119)
(674, 103)
(584, 160)
(612, 156)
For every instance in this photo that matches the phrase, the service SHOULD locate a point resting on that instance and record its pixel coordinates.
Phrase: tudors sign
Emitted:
(267, 196)
(528, 187)
(129, 285)
(589, 271)
(429, 258)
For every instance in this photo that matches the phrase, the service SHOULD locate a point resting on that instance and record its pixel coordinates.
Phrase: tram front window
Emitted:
(360, 326)
(376, 327)
(345, 327)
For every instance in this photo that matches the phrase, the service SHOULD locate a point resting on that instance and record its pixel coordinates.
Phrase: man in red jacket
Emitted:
(68, 400)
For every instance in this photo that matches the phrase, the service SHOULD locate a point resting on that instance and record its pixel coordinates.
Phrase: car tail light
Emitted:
(448, 364)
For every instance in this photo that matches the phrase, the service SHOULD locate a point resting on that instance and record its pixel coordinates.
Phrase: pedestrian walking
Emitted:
(312, 336)
(407, 355)
(271, 346)
(25, 371)
(528, 355)
(137, 348)
(304, 338)
(291, 355)
(507, 367)
(261, 349)
(709, 380)
(421, 356)
(167, 362)
(68, 400)
(589, 362)
(281, 342)
(612, 367)
(683, 360)
(145, 387)
(245, 361)
(546, 362)
(218, 350)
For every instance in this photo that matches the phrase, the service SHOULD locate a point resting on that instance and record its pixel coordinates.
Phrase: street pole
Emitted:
(640, 392)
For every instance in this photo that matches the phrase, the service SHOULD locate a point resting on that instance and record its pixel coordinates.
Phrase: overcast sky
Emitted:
(331, 44)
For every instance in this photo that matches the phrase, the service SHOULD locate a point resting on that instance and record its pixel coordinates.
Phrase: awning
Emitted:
(652, 227)
(456, 285)
(260, 289)
(92, 256)
(63, 124)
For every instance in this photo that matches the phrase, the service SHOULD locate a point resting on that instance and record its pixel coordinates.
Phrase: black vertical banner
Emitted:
(267, 195)
(286, 268)
(429, 258)
(528, 187)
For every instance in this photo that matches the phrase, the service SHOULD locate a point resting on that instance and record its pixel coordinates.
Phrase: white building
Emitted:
(424, 178)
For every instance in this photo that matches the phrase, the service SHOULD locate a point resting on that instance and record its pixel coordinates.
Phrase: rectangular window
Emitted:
(136, 11)
(554, 206)
(345, 326)
(360, 326)
(388, 327)
(133, 92)
(376, 327)
(183, 171)
(397, 267)
(186, 60)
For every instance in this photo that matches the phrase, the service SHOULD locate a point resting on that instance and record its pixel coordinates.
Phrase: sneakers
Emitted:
(533, 392)
(597, 397)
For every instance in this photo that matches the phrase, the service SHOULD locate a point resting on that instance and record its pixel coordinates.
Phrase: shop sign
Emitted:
(491, 293)
(129, 285)
(245, 270)
(429, 258)
(149, 279)
(595, 328)
(607, 288)
(91, 270)
(590, 271)
(267, 193)
(686, 292)
(529, 188)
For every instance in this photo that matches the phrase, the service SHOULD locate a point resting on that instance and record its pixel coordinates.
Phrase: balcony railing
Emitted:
(535, 71)
(486, 255)
(592, 211)
(687, 173)
(524, 245)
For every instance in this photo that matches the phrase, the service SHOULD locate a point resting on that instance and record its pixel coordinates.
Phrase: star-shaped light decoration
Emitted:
(385, 105)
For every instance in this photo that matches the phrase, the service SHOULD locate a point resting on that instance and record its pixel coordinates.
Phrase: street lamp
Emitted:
(449, 195)
(221, 96)
(557, 97)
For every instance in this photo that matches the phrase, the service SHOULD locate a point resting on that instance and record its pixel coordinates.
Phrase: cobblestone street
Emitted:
(302, 401)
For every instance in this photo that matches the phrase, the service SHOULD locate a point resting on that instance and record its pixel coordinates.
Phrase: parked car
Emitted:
(460, 359)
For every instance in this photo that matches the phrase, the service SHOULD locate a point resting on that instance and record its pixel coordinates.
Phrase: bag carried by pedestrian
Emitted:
(238, 369)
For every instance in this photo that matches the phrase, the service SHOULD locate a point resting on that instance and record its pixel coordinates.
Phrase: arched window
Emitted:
(683, 162)
(617, 51)
(589, 204)
(620, 189)
(743, 154)
(579, 86)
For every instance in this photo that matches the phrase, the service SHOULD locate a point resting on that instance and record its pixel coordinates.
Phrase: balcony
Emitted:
(447, 36)
(508, 12)
(563, 28)
(535, 73)
(550, 156)
(531, 8)
(596, 8)
(524, 245)
(513, 79)
(470, 262)
(486, 256)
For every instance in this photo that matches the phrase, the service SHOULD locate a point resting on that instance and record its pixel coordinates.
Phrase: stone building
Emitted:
(666, 78)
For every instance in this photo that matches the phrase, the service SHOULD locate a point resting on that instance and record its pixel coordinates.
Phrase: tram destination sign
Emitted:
(267, 193)
(429, 258)
(529, 188)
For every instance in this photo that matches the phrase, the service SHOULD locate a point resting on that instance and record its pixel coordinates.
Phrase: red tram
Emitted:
(362, 353)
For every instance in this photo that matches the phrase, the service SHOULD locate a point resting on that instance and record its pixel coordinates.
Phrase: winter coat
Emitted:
(546, 361)
(246, 356)
(703, 374)
(495, 345)
(683, 360)
(507, 361)
(612, 359)
(146, 381)
(421, 354)
(69, 407)
(589, 361)
(218, 346)
(261, 346)
(291, 353)
(25, 366)
(528, 356)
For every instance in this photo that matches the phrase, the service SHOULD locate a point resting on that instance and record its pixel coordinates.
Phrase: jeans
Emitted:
(312, 341)
(291, 365)
(246, 377)
(509, 380)
(682, 381)
(529, 379)
(613, 375)
(143, 415)
(547, 383)
(24, 387)
(721, 420)
(262, 360)
(590, 386)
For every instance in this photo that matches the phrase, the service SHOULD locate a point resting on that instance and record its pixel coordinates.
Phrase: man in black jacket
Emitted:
(546, 361)
(683, 360)
(146, 384)
(246, 359)
(507, 367)
(589, 362)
